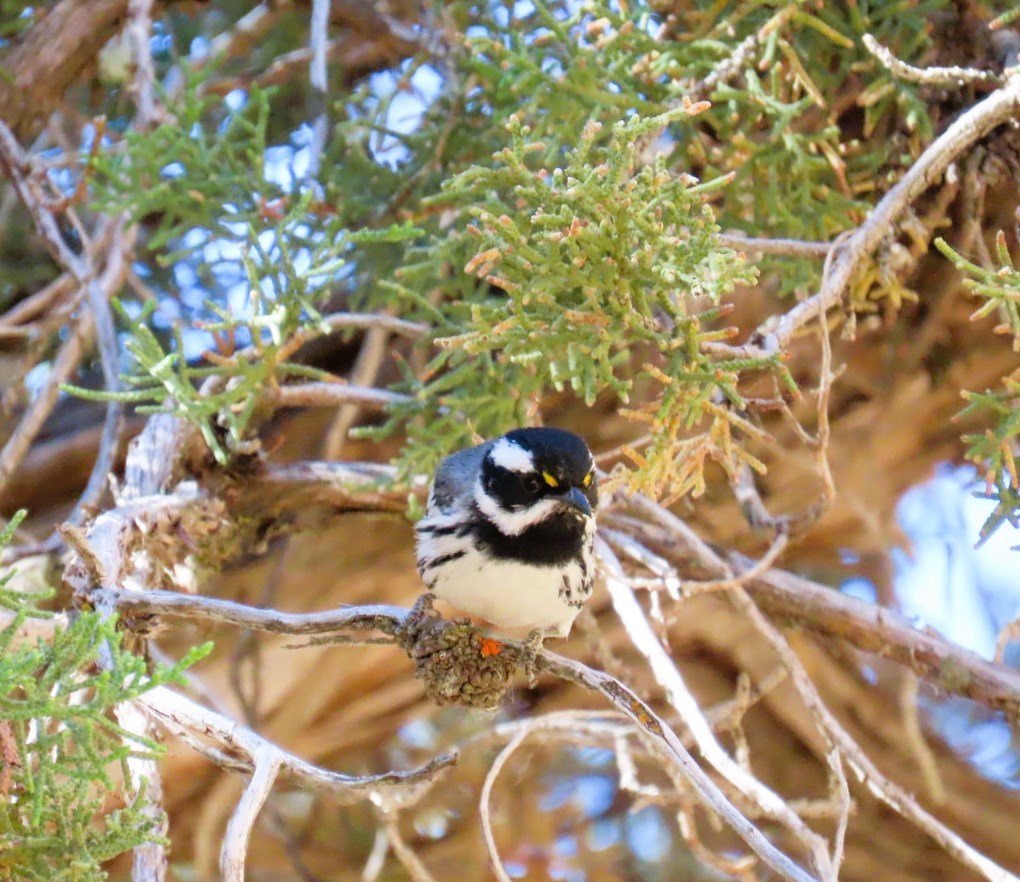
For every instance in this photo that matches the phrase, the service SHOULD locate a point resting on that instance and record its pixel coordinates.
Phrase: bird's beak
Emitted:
(576, 500)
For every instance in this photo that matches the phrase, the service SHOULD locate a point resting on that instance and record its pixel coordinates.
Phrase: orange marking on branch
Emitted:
(490, 646)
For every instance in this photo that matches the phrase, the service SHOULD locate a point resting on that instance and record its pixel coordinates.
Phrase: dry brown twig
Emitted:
(781, 247)
(94, 323)
(1009, 633)
(828, 726)
(770, 804)
(908, 694)
(365, 373)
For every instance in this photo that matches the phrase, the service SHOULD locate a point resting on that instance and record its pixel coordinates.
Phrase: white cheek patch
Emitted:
(511, 457)
(513, 523)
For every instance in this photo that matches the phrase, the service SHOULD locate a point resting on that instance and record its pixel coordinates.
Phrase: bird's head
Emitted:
(530, 476)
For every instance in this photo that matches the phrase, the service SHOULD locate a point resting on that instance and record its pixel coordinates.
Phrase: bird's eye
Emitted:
(531, 483)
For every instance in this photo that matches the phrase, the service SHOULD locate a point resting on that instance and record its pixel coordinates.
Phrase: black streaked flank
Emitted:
(442, 559)
(458, 530)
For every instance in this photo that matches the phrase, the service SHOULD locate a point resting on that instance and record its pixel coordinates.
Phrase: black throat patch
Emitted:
(552, 542)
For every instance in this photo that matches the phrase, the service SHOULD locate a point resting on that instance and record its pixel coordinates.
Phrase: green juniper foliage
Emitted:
(993, 450)
(550, 212)
(580, 267)
(61, 753)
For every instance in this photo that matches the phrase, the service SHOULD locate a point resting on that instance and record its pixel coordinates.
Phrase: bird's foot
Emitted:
(422, 606)
(532, 647)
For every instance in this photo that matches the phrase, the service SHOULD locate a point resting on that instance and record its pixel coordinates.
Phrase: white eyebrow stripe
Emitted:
(511, 457)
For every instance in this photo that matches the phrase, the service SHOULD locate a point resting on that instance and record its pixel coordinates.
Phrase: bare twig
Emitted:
(664, 741)
(284, 66)
(485, 800)
(909, 689)
(760, 566)
(139, 33)
(738, 60)
(365, 321)
(842, 793)
(377, 857)
(149, 860)
(71, 353)
(267, 761)
(99, 294)
(741, 868)
(408, 859)
(1010, 632)
(666, 574)
(930, 76)
(364, 373)
(822, 408)
(183, 717)
(316, 394)
(883, 788)
(339, 321)
(18, 166)
(317, 79)
(97, 319)
(782, 247)
(39, 303)
(789, 597)
(745, 490)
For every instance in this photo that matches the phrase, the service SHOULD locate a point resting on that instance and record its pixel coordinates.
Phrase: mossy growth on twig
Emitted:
(456, 662)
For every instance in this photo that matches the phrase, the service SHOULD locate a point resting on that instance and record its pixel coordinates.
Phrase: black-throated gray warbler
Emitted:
(509, 530)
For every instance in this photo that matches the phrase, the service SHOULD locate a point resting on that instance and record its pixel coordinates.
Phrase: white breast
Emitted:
(507, 593)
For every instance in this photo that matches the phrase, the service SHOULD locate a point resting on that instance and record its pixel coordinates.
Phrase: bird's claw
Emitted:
(531, 647)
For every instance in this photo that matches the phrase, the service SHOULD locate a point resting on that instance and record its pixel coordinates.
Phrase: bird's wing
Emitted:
(456, 475)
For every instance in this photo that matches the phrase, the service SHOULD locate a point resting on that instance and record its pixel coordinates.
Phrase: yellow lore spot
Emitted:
(587, 479)
(550, 480)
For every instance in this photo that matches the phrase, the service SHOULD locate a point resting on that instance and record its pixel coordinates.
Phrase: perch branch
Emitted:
(390, 620)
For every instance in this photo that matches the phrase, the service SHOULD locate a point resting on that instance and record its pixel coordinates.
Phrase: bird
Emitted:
(509, 530)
